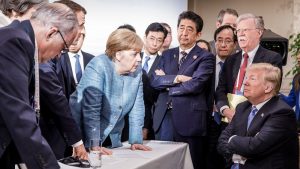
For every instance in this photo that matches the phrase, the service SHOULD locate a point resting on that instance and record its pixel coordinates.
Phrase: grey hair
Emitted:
(57, 15)
(259, 22)
(19, 6)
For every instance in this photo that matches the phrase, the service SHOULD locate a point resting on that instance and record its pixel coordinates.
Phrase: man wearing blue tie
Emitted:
(225, 42)
(263, 132)
(155, 35)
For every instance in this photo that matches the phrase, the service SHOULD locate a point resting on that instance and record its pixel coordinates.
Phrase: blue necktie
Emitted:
(251, 116)
(145, 67)
(184, 54)
(78, 68)
(221, 65)
(235, 166)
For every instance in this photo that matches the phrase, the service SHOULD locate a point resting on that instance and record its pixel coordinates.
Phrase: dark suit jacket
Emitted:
(64, 72)
(191, 106)
(150, 94)
(271, 140)
(18, 123)
(231, 69)
(57, 124)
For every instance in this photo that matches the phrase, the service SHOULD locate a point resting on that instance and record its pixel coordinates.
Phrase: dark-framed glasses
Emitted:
(66, 49)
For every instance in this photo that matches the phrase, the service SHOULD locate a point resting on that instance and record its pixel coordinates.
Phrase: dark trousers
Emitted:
(197, 148)
(165, 131)
(214, 159)
(10, 158)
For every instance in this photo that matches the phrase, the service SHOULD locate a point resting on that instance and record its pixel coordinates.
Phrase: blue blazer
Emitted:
(191, 100)
(292, 99)
(103, 98)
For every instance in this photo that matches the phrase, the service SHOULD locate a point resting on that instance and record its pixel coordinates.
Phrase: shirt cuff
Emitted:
(223, 108)
(231, 138)
(77, 144)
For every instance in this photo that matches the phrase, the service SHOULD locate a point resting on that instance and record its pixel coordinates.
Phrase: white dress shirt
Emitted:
(73, 61)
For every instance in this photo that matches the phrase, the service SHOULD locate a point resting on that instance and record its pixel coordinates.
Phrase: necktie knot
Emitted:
(251, 115)
(183, 53)
(245, 56)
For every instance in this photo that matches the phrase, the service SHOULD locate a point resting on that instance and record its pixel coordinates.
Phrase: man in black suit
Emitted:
(249, 31)
(57, 123)
(263, 132)
(155, 35)
(66, 64)
(226, 41)
(23, 45)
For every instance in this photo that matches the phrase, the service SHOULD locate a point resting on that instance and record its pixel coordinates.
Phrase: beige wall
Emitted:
(278, 16)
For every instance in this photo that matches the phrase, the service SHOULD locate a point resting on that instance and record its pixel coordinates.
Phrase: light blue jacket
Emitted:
(103, 98)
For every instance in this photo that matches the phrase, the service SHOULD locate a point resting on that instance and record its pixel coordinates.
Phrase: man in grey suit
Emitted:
(249, 31)
(263, 132)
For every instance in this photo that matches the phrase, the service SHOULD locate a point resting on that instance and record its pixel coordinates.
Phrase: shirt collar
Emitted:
(252, 53)
(187, 50)
(260, 105)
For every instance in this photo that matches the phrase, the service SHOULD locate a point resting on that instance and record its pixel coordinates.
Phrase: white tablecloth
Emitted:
(164, 155)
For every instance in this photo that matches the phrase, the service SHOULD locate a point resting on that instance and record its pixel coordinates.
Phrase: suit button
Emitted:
(120, 107)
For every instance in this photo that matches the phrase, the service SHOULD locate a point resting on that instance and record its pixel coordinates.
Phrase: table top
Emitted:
(164, 155)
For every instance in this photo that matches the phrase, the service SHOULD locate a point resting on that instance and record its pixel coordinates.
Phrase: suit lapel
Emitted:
(174, 59)
(260, 114)
(67, 68)
(85, 59)
(258, 54)
(236, 66)
(154, 65)
(191, 57)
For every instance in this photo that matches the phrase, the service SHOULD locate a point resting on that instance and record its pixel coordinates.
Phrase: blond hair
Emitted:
(122, 39)
(270, 74)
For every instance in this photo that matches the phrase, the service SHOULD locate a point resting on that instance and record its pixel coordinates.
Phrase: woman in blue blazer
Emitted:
(110, 88)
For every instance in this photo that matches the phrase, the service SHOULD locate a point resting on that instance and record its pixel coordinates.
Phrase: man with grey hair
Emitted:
(51, 29)
(263, 132)
(249, 31)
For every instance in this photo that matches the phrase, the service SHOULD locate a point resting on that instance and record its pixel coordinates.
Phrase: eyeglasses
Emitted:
(244, 30)
(66, 49)
(226, 42)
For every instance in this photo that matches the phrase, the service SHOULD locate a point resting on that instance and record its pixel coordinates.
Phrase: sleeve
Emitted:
(221, 91)
(201, 76)
(223, 146)
(91, 87)
(277, 129)
(136, 117)
(16, 113)
(162, 82)
(54, 101)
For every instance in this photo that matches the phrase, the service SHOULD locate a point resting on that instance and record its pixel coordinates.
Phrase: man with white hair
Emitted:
(263, 132)
(25, 44)
(249, 31)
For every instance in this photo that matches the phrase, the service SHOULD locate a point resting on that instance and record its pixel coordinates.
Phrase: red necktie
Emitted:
(241, 74)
